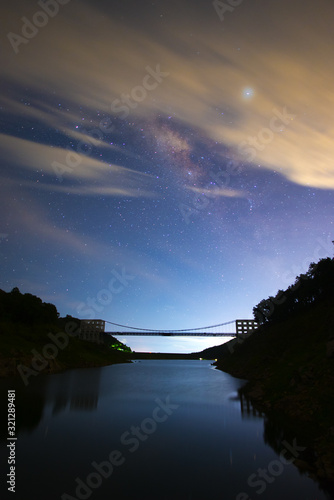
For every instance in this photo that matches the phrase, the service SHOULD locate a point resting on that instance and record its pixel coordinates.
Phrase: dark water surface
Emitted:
(149, 430)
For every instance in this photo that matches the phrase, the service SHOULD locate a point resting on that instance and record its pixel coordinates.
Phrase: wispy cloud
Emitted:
(200, 88)
(219, 192)
(33, 224)
(109, 179)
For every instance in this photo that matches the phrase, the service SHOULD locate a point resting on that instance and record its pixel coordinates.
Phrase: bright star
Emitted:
(248, 93)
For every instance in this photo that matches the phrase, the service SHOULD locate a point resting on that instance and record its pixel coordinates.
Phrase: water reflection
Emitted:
(77, 390)
(29, 404)
(207, 448)
(248, 410)
(277, 432)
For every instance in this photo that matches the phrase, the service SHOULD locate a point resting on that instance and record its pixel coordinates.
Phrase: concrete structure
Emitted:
(92, 330)
(245, 326)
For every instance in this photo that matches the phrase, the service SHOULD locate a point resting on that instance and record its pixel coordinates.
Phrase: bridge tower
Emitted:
(91, 329)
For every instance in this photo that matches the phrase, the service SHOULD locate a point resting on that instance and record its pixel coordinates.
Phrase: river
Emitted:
(153, 429)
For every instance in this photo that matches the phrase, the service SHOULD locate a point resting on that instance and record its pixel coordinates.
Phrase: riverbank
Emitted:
(290, 369)
(34, 349)
(23, 345)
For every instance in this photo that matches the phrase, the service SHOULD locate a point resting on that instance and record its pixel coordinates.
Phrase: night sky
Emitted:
(165, 164)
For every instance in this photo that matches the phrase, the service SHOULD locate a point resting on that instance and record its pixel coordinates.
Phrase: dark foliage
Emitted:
(68, 319)
(308, 289)
(26, 309)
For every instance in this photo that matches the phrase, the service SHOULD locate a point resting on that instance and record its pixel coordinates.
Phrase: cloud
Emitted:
(101, 190)
(219, 192)
(90, 70)
(28, 218)
(59, 163)
(57, 240)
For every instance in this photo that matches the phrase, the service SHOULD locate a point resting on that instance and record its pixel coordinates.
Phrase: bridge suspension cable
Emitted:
(171, 331)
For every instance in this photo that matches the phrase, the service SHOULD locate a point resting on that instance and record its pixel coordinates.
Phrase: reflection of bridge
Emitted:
(228, 329)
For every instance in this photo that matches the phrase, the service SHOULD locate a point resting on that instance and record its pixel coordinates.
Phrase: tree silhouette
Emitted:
(316, 285)
(26, 308)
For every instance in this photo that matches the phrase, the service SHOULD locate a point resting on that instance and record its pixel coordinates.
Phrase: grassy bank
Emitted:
(290, 368)
(20, 343)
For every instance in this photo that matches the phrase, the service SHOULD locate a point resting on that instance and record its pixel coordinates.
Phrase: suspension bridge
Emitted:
(232, 328)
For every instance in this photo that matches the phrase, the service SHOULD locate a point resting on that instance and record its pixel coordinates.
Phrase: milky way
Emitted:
(191, 153)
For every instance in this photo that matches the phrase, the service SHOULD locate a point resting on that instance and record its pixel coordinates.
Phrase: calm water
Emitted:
(148, 430)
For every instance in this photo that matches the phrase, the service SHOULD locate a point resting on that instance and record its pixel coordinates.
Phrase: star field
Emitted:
(192, 154)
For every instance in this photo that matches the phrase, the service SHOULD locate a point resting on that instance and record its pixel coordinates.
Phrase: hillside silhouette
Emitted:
(309, 289)
(29, 325)
(289, 359)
